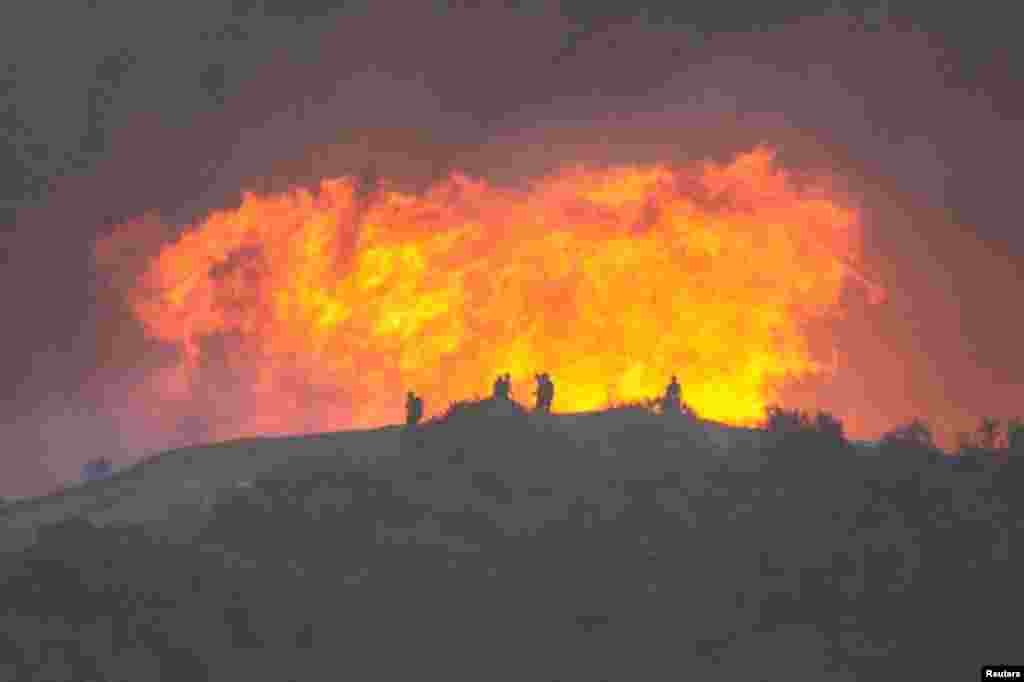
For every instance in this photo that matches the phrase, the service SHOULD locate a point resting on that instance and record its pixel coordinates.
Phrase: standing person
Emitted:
(545, 392)
(502, 386)
(672, 400)
(549, 391)
(413, 409)
(541, 392)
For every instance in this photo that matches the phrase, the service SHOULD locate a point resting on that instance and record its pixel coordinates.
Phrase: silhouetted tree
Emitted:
(1015, 435)
(988, 432)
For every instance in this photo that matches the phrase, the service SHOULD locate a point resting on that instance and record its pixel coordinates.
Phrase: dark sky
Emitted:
(116, 108)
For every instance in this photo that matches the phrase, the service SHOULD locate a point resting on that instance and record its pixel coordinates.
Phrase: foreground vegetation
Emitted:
(499, 546)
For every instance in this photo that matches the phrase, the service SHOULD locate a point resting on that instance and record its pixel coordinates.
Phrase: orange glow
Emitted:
(610, 279)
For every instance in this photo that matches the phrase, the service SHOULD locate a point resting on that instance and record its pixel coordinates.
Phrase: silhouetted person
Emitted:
(673, 396)
(502, 386)
(545, 392)
(413, 409)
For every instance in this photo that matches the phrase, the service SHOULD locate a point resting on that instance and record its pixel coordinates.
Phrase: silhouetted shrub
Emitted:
(913, 436)
(788, 430)
(795, 433)
(782, 421)
(964, 442)
(646, 407)
(97, 469)
(1015, 435)
(641, 409)
(988, 430)
(830, 428)
(463, 412)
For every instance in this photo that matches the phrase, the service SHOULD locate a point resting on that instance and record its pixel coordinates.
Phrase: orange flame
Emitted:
(328, 306)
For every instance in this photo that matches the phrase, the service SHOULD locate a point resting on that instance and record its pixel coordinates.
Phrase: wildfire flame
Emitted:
(318, 310)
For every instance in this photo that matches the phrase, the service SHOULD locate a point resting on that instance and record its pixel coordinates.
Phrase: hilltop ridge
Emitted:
(184, 481)
(608, 545)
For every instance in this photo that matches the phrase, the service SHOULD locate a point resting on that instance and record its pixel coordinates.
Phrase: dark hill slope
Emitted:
(495, 545)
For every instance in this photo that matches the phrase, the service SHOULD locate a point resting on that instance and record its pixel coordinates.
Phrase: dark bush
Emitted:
(464, 412)
(830, 428)
(782, 421)
(97, 469)
(915, 436)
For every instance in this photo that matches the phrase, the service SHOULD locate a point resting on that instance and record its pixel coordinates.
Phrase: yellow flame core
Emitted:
(611, 280)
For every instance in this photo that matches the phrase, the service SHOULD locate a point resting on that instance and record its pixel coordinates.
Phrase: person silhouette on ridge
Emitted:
(672, 401)
(545, 392)
(413, 409)
(502, 386)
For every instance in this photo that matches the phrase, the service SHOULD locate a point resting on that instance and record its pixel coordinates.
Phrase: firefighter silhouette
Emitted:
(672, 402)
(545, 392)
(502, 386)
(413, 409)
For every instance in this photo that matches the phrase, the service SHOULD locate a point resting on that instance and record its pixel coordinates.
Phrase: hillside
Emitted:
(496, 545)
(174, 486)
